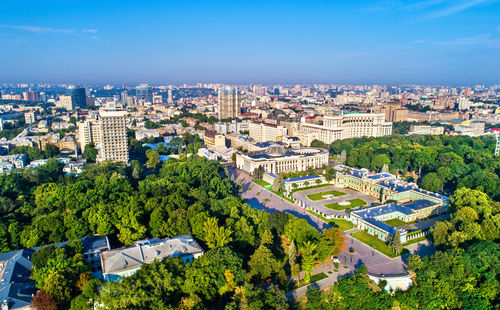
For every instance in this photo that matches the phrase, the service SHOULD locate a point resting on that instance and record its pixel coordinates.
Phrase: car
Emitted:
(336, 259)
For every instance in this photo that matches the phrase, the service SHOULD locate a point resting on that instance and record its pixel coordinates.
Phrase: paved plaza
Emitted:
(319, 204)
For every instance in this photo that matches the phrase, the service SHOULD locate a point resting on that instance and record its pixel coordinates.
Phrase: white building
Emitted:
(113, 142)
(346, 126)
(125, 262)
(276, 159)
(426, 130)
(262, 132)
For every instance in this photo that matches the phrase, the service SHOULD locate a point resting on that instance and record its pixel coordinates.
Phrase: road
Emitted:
(376, 262)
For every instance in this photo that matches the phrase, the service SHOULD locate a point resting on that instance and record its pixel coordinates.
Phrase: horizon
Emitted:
(384, 43)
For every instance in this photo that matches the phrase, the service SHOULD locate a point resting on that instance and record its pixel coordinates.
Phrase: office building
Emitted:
(347, 126)
(142, 94)
(229, 104)
(170, 99)
(78, 96)
(262, 132)
(124, 98)
(113, 142)
(275, 159)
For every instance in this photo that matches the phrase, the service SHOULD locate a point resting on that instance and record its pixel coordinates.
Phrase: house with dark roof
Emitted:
(16, 287)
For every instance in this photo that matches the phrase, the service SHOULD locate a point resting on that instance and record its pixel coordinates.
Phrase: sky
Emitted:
(436, 42)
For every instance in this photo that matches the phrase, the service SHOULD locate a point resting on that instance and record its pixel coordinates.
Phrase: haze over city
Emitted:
(354, 42)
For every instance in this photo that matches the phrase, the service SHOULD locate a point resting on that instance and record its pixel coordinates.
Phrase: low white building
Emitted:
(276, 159)
(125, 262)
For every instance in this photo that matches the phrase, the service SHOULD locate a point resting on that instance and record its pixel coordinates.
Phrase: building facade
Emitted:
(275, 159)
(229, 104)
(347, 126)
(113, 142)
(262, 132)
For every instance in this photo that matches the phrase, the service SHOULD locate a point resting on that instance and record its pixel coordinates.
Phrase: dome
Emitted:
(275, 150)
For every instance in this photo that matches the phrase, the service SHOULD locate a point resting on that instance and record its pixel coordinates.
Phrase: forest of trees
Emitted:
(437, 163)
(245, 248)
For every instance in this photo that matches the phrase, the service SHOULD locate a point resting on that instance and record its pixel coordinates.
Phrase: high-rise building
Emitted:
(88, 131)
(30, 117)
(113, 144)
(170, 98)
(142, 93)
(65, 102)
(229, 104)
(263, 132)
(124, 98)
(78, 96)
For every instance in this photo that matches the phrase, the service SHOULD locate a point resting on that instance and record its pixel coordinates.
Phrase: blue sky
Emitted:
(356, 42)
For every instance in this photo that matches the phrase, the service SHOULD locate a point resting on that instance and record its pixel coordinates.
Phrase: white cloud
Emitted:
(456, 8)
(36, 29)
(90, 31)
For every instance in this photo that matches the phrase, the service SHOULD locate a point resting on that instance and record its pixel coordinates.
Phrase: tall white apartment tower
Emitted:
(229, 103)
(113, 143)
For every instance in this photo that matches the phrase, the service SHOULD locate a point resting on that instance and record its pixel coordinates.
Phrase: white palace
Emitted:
(276, 159)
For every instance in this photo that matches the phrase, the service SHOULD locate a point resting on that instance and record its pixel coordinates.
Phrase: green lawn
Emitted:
(310, 187)
(354, 204)
(340, 223)
(373, 242)
(417, 240)
(314, 278)
(395, 222)
(262, 183)
(319, 196)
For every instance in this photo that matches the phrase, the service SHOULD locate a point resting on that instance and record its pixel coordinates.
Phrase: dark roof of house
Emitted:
(16, 287)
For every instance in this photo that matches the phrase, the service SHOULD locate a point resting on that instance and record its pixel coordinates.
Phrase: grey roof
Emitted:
(304, 178)
(15, 285)
(146, 251)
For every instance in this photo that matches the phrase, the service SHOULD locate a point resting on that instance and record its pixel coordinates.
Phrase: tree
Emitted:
(215, 236)
(308, 259)
(90, 153)
(314, 299)
(58, 287)
(440, 232)
(42, 301)
(278, 183)
(258, 173)
(153, 158)
(51, 150)
(292, 254)
(262, 264)
(300, 231)
(431, 182)
(379, 161)
(394, 242)
(415, 262)
(317, 143)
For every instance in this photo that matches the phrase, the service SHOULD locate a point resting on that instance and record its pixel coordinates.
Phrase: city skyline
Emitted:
(383, 42)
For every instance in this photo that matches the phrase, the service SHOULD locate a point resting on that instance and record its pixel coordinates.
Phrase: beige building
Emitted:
(213, 139)
(307, 137)
(426, 130)
(88, 131)
(347, 126)
(229, 104)
(29, 117)
(275, 159)
(262, 132)
(113, 142)
(65, 102)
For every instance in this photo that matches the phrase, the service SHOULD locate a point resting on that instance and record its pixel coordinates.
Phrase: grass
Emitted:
(339, 223)
(262, 183)
(266, 200)
(373, 242)
(319, 196)
(310, 187)
(419, 239)
(395, 222)
(315, 278)
(354, 204)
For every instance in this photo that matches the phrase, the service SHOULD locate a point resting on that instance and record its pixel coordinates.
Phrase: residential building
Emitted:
(65, 102)
(30, 117)
(88, 131)
(146, 133)
(18, 160)
(217, 153)
(113, 142)
(16, 287)
(229, 104)
(213, 139)
(276, 159)
(142, 93)
(262, 132)
(125, 262)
